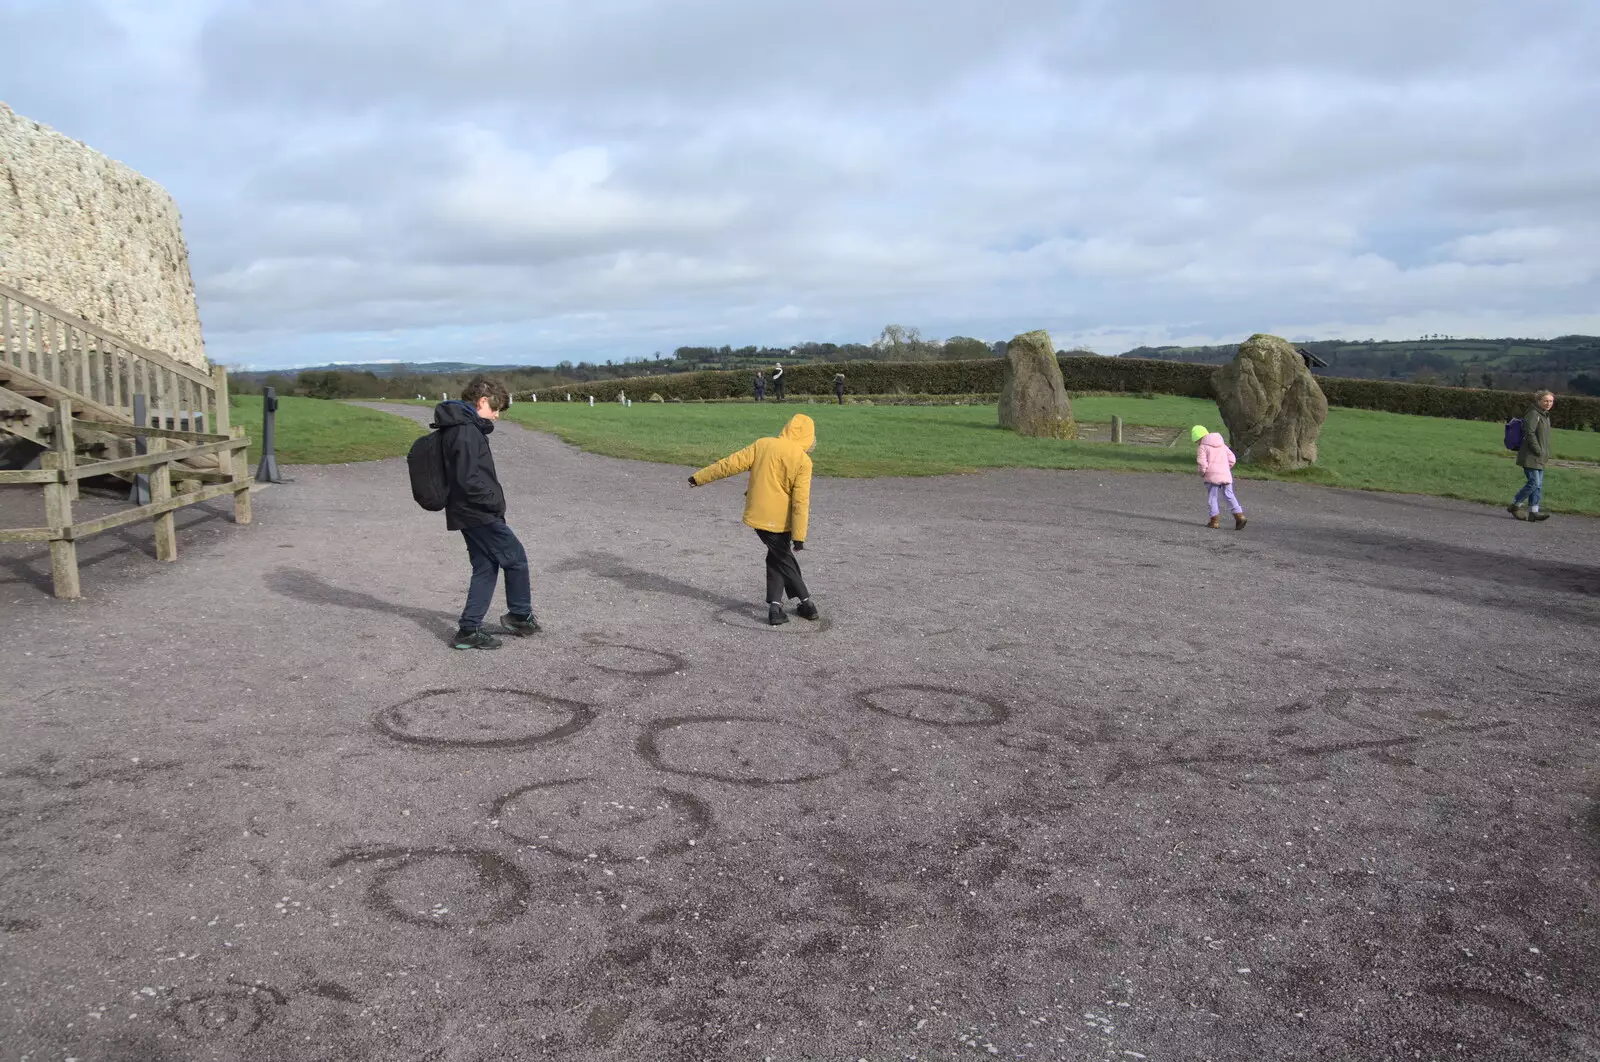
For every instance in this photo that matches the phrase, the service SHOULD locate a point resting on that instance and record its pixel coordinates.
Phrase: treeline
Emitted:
(1093, 373)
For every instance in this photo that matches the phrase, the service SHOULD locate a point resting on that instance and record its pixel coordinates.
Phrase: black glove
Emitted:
(692, 483)
(798, 546)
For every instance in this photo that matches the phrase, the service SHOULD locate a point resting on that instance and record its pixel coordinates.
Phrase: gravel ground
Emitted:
(1061, 775)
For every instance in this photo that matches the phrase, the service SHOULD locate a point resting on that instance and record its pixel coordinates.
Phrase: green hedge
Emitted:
(1084, 373)
(1080, 373)
(1459, 403)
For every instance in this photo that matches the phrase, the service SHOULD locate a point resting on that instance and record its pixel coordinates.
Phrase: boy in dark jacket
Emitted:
(1533, 453)
(477, 508)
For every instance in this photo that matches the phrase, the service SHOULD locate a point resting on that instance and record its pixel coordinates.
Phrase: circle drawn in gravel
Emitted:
(742, 750)
(935, 705)
(490, 718)
(749, 619)
(580, 818)
(444, 888)
(634, 660)
(225, 1014)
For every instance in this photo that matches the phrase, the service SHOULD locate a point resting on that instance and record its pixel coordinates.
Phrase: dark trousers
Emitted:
(840, 396)
(777, 389)
(783, 567)
(761, 393)
(494, 548)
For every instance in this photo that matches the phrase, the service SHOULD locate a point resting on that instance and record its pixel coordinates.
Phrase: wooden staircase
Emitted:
(48, 355)
(84, 402)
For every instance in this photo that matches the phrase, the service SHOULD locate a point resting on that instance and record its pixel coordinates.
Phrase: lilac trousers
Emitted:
(1227, 492)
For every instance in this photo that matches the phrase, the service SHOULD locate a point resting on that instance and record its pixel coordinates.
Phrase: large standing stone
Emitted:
(1271, 403)
(1033, 400)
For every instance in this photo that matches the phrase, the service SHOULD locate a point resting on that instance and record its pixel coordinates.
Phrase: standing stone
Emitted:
(1271, 403)
(1033, 399)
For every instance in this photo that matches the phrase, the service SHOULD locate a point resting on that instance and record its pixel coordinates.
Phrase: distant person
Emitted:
(838, 387)
(761, 387)
(777, 505)
(1532, 455)
(777, 381)
(1216, 463)
(477, 508)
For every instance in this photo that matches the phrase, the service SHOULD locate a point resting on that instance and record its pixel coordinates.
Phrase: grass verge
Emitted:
(311, 431)
(1359, 449)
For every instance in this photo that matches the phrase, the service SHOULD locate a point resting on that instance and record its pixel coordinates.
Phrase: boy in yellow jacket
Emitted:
(777, 505)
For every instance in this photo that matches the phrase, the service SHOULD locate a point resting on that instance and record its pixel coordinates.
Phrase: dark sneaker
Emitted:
(1514, 511)
(520, 626)
(1538, 516)
(807, 610)
(776, 616)
(475, 640)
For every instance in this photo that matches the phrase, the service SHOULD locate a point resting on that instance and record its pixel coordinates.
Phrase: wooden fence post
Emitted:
(241, 473)
(62, 442)
(1116, 429)
(160, 491)
(58, 514)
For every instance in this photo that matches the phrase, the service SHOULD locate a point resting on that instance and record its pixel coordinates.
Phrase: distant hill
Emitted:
(1564, 363)
(389, 369)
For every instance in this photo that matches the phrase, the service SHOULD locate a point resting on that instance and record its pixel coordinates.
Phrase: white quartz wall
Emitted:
(94, 238)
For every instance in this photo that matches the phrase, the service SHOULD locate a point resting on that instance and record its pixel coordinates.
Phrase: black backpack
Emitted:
(425, 461)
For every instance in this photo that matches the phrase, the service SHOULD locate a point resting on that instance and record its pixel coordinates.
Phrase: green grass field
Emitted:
(1358, 448)
(314, 432)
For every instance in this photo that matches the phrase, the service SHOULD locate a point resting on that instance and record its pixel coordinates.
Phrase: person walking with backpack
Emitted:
(1532, 454)
(476, 506)
(777, 506)
(1216, 460)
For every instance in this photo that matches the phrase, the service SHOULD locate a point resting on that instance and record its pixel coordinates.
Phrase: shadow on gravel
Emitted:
(1456, 562)
(301, 585)
(614, 568)
(33, 566)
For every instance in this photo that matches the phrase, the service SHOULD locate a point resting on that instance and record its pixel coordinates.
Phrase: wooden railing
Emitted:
(61, 468)
(101, 371)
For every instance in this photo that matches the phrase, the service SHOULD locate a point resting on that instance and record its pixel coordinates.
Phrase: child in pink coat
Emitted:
(1216, 469)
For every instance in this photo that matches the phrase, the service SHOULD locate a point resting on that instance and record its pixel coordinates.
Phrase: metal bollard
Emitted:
(267, 470)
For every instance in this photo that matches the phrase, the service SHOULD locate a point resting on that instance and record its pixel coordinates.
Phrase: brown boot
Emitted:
(1213, 521)
(1239, 521)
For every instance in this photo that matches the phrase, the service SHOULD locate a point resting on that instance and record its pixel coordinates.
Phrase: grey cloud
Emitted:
(634, 175)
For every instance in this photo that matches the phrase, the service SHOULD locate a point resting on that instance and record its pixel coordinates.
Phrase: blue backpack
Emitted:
(1514, 433)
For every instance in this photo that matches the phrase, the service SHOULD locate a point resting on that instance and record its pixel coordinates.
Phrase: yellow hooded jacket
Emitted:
(779, 496)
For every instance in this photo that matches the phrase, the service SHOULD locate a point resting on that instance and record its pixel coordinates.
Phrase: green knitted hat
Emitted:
(1197, 433)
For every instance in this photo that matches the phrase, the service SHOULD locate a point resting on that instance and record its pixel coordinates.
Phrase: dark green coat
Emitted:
(1535, 450)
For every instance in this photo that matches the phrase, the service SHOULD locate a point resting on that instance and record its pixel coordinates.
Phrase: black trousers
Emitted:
(777, 388)
(783, 567)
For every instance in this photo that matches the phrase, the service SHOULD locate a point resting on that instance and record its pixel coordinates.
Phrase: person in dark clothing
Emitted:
(477, 508)
(838, 387)
(1532, 455)
(761, 387)
(777, 381)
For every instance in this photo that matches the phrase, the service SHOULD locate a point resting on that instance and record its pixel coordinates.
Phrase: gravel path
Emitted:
(1062, 775)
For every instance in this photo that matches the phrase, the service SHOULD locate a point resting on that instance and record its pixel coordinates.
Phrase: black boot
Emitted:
(775, 614)
(519, 626)
(477, 639)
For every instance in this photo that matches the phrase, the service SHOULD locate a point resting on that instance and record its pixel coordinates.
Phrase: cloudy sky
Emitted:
(532, 180)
